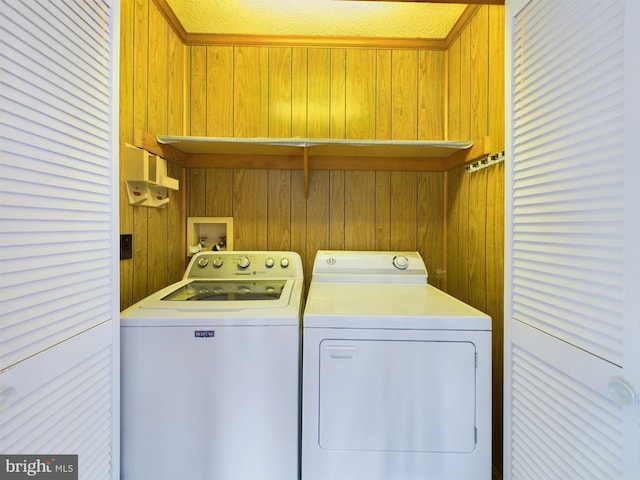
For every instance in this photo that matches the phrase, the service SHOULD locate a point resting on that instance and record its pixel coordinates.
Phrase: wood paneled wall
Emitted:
(152, 98)
(475, 201)
(330, 93)
(455, 219)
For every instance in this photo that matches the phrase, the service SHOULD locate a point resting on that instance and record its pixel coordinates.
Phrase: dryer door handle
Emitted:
(341, 352)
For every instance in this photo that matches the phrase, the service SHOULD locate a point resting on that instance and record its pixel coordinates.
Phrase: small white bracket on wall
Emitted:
(485, 162)
(146, 178)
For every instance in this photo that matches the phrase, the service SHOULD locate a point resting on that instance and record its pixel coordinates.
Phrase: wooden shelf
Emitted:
(314, 154)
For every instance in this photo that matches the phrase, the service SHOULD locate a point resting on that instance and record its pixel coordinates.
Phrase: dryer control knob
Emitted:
(400, 262)
(269, 262)
(203, 262)
(284, 262)
(244, 262)
(217, 262)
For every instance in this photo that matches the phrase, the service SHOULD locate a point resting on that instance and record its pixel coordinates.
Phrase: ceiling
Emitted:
(318, 18)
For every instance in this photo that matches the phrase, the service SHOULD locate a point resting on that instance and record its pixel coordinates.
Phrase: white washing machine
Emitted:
(210, 371)
(396, 374)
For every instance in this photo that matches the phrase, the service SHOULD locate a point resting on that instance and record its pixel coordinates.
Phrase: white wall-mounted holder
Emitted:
(146, 178)
(209, 233)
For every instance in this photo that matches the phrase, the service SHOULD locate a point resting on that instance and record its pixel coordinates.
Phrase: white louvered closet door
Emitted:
(59, 366)
(572, 240)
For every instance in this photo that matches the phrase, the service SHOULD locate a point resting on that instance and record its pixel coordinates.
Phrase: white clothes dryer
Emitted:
(210, 370)
(396, 374)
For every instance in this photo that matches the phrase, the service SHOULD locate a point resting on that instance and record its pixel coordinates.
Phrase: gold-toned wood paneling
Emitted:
(359, 210)
(318, 99)
(475, 212)
(360, 93)
(251, 92)
(279, 92)
(198, 82)
(219, 85)
(431, 101)
(152, 88)
(404, 95)
(279, 210)
(250, 195)
(431, 225)
(125, 135)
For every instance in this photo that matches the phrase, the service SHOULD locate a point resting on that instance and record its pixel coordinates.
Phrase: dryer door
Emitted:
(397, 395)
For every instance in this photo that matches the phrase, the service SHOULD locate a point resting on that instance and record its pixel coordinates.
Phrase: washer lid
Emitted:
(388, 306)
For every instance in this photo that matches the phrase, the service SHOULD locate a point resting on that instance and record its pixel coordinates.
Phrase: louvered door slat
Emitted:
(56, 192)
(572, 212)
(58, 208)
(568, 177)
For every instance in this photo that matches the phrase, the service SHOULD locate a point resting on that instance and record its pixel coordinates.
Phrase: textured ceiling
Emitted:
(318, 18)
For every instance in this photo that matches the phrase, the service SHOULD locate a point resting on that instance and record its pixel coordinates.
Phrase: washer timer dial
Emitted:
(244, 262)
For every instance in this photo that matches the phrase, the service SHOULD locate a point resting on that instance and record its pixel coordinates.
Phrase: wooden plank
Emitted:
(279, 210)
(454, 85)
(299, 92)
(404, 95)
(452, 226)
(149, 143)
(317, 220)
(479, 29)
(295, 162)
(198, 110)
(430, 225)
(383, 95)
(250, 200)
(465, 84)
(176, 122)
(359, 208)
(197, 188)
(337, 210)
(383, 211)
(319, 93)
(218, 192)
(158, 239)
(299, 237)
(219, 91)
(431, 95)
(279, 92)
(338, 93)
(360, 104)
(403, 210)
(251, 92)
(315, 41)
(140, 74)
(126, 136)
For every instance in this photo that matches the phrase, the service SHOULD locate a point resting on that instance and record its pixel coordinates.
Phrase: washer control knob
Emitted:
(284, 262)
(269, 262)
(203, 262)
(244, 262)
(400, 262)
(217, 262)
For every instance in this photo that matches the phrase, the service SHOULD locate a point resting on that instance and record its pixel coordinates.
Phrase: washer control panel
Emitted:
(227, 264)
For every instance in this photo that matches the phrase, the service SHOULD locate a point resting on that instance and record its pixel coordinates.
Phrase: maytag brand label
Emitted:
(50, 467)
(205, 333)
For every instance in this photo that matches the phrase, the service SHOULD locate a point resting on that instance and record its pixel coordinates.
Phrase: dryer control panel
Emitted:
(369, 267)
